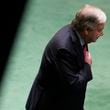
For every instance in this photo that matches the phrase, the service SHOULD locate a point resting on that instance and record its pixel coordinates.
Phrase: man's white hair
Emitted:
(89, 10)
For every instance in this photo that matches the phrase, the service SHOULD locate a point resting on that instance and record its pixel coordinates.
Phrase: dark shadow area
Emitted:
(10, 16)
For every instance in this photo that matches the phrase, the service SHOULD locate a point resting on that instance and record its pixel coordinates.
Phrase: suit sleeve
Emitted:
(69, 70)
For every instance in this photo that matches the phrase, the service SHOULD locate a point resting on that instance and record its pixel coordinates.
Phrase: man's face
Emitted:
(93, 35)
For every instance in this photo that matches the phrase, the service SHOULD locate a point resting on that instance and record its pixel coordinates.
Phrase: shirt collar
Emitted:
(80, 39)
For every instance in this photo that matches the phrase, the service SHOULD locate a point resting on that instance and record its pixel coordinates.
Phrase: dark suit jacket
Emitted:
(63, 75)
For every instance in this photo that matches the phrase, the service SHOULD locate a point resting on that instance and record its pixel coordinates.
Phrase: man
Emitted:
(66, 66)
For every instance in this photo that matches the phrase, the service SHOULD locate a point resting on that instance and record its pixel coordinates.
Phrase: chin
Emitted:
(93, 41)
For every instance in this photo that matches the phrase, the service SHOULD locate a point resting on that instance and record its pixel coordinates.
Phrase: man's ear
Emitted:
(86, 30)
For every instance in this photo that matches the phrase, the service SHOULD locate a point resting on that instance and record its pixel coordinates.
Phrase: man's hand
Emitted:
(88, 58)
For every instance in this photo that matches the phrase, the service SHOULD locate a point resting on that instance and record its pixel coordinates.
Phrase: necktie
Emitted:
(85, 49)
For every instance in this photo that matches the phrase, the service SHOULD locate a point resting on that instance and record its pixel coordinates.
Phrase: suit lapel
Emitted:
(78, 47)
